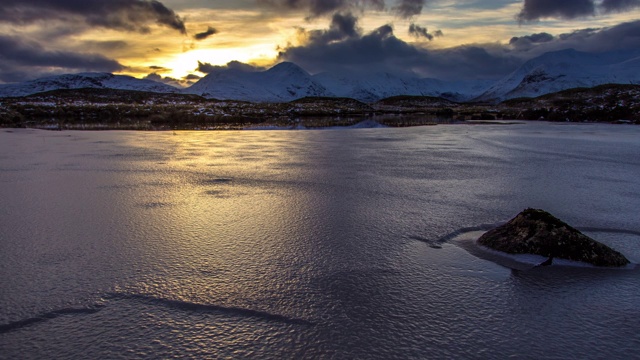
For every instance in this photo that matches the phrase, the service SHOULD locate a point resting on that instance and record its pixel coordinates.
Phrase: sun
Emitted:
(185, 63)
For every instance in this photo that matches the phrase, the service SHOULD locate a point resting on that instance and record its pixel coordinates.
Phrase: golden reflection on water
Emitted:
(227, 199)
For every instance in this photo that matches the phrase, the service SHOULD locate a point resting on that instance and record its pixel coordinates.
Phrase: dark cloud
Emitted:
(317, 8)
(130, 15)
(109, 45)
(565, 9)
(625, 36)
(203, 35)
(622, 37)
(570, 9)
(179, 83)
(165, 80)
(422, 32)
(207, 68)
(526, 42)
(533, 38)
(409, 8)
(619, 5)
(381, 50)
(11, 73)
(482, 61)
(154, 77)
(342, 26)
(581, 35)
(21, 59)
(33, 54)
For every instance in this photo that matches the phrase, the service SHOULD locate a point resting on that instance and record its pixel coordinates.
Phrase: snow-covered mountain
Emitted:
(566, 69)
(283, 82)
(370, 87)
(84, 80)
(548, 73)
(287, 81)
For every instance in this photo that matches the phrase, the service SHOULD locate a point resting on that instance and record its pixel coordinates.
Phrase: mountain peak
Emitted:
(283, 82)
(287, 68)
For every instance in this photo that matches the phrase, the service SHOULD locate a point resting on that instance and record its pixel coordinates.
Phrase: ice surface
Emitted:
(341, 236)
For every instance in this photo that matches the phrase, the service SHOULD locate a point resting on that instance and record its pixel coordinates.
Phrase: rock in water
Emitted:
(538, 232)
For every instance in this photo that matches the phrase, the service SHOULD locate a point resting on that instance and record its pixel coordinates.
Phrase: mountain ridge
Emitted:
(283, 82)
(565, 69)
(83, 80)
(548, 73)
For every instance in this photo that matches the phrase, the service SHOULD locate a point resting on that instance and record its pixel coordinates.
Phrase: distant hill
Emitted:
(416, 101)
(603, 103)
(566, 69)
(111, 96)
(83, 80)
(371, 87)
(329, 100)
(129, 109)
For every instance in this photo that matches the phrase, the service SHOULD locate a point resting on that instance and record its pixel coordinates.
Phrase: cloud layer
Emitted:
(130, 15)
(207, 68)
(422, 32)
(39, 43)
(19, 58)
(205, 34)
(409, 8)
(380, 50)
(570, 9)
(316, 8)
(40, 37)
(619, 5)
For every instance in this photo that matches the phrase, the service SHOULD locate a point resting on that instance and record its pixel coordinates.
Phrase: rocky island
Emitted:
(537, 232)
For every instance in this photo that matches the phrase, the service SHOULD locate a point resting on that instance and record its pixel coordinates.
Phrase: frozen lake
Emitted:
(311, 244)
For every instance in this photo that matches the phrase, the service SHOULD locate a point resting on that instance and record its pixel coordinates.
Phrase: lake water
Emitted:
(311, 244)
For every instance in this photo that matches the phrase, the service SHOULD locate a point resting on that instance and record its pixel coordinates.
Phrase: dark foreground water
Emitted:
(311, 244)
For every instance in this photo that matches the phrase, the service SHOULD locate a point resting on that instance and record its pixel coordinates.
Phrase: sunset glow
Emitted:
(171, 38)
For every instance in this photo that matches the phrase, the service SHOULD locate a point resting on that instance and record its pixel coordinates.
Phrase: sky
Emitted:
(178, 42)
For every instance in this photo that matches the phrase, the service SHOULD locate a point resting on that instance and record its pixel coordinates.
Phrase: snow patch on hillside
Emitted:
(566, 69)
(84, 80)
(282, 83)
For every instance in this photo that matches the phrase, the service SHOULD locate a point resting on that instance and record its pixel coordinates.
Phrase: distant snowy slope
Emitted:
(566, 69)
(370, 87)
(464, 90)
(283, 82)
(83, 80)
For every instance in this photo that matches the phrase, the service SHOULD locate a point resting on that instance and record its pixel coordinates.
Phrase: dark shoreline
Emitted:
(98, 109)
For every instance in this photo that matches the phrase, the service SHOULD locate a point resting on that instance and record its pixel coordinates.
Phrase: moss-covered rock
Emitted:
(538, 232)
